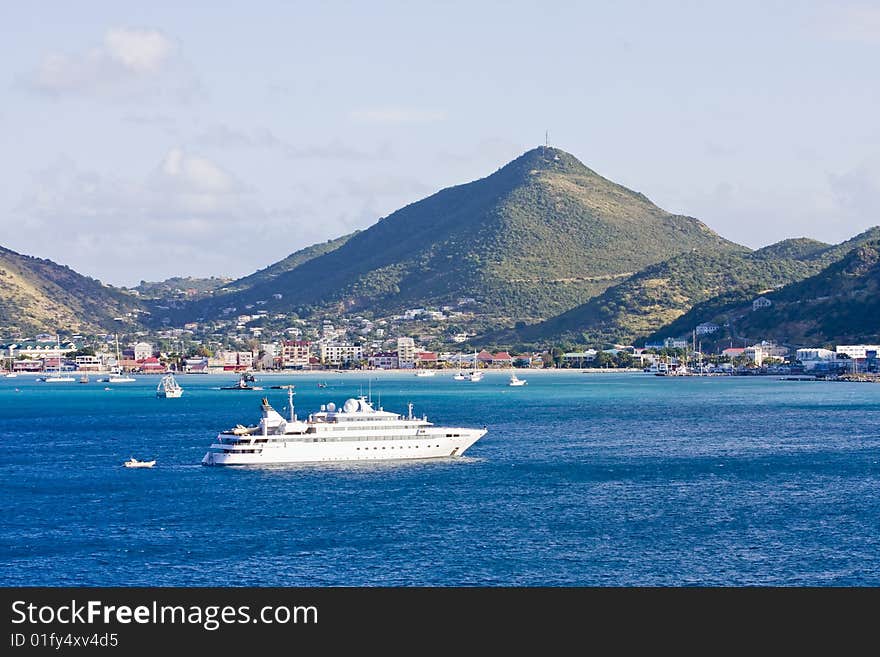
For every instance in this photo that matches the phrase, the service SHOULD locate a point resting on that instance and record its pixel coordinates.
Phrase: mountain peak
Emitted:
(548, 158)
(541, 234)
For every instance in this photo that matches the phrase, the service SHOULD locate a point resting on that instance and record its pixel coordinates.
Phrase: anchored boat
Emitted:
(354, 432)
(168, 387)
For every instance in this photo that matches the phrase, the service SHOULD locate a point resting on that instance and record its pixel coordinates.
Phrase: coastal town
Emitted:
(243, 344)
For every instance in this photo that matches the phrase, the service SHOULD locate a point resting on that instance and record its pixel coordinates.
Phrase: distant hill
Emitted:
(540, 235)
(179, 285)
(39, 295)
(796, 248)
(838, 305)
(656, 296)
(672, 297)
(736, 302)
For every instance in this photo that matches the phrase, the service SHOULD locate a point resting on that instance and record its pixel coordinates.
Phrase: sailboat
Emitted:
(459, 376)
(117, 376)
(475, 374)
(169, 388)
(57, 376)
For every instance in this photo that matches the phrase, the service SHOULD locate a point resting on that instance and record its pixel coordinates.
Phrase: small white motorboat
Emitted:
(515, 380)
(425, 373)
(134, 463)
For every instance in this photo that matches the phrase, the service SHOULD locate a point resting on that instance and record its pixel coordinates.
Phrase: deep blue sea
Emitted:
(583, 479)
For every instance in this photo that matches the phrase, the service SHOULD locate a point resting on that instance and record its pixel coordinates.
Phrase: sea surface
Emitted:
(583, 479)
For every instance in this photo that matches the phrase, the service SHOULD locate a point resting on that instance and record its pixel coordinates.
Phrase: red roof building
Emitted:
(484, 357)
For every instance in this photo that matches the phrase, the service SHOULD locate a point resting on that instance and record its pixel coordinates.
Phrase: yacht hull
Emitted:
(316, 449)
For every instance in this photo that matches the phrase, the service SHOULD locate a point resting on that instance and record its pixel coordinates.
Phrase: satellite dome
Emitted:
(331, 407)
(351, 405)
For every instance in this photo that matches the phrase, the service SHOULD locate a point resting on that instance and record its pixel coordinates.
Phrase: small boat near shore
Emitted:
(242, 384)
(134, 463)
(58, 378)
(515, 381)
(169, 388)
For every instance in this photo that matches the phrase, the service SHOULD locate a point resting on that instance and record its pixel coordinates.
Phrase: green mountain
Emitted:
(670, 298)
(39, 295)
(657, 295)
(735, 302)
(796, 248)
(540, 235)
(841, 304)
(179, 286)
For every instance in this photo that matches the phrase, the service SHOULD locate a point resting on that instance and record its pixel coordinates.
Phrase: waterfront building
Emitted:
(856, 351)
(406, 353)
(335, 353)
(384, 360)
(295, 354)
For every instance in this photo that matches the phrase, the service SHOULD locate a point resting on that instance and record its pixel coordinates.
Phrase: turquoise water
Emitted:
(583, 479)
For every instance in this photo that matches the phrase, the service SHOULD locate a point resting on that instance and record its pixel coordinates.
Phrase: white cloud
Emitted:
(130, 62)
(125, 229)
(139, 51)
(397, 115)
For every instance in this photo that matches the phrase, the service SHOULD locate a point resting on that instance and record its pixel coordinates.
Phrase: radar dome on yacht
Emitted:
(351, 405)
(331, 407)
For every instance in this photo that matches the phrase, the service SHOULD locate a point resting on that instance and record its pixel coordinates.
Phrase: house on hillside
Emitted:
(760, 303)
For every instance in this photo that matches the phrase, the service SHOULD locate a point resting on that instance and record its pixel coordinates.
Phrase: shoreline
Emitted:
(411, 372)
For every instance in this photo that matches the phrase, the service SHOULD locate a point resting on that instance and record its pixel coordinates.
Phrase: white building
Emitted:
(88, 363)
(579, 357)
(811, 354)
(857, 351)
(142, 350)
(406, 353)
(758, 353)
(334, 353)
(706, 328)
(761, 302)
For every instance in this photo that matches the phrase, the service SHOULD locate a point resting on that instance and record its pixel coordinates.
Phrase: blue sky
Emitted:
(144, 140)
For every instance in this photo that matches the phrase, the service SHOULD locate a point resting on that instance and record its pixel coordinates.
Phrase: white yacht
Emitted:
(355, 432)
(59, 378)
(515, 380)
(169, 387)
(424, 373)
